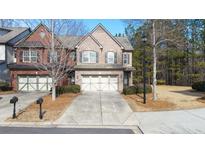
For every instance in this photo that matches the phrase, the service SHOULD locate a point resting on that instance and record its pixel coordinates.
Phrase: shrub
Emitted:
(129, 90)
(161, 82)
(4, 86)
(68, 89)
(140, 88)
(199, 86)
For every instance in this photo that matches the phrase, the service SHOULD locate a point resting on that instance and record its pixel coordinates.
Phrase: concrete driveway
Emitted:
(25, 99)
(97, 108)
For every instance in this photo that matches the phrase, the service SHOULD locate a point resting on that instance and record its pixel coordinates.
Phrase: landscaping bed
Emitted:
(136, 103)
(52, 110)
(169, 98)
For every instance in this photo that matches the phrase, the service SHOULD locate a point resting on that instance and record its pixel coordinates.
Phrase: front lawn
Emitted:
(52, 110)
(169, 98)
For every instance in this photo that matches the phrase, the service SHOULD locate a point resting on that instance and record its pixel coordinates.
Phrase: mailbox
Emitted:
(39, 101)
(14, 100)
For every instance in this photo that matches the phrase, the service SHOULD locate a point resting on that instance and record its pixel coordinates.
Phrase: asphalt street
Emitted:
(32, 130)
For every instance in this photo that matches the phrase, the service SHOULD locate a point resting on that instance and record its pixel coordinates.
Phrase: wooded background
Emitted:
(180, 57)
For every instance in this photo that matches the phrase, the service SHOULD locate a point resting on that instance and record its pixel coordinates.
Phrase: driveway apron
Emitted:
(97, 108)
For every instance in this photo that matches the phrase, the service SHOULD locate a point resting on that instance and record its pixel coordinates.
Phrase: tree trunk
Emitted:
(53, 92)
(154, 63)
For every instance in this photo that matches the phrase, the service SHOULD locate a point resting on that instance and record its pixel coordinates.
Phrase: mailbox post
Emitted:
(13, 101)
(40, 101)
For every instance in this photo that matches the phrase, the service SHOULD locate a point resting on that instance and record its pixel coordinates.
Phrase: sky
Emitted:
(112, 25)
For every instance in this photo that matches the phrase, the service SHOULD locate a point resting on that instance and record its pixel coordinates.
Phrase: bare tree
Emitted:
(162, 33)
(8, 23)
(60, 26)
(59, 64)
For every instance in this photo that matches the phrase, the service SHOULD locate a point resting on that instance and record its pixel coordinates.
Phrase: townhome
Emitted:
(8, 38)
(103, 62)
(31, 52)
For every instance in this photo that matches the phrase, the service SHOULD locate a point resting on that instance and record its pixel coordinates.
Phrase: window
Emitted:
(30, 56)
(72, 56)
(53, 56)
(89, 57)
(126, 58)
(111, 57)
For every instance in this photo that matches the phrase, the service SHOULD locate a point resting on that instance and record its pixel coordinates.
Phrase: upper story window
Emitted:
(89, 57)
(53, 56)
(126, 59)
(30, 56)
(72, 55)
(111, 57)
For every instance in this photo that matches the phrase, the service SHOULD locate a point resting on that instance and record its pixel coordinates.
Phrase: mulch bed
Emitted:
(136, 103)
(52, 110)
(202, 99)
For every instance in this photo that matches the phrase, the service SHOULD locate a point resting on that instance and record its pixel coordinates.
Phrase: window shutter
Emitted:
(106, 57)
(80, 57)
(128, 58)
(38, 57)
(115, 60)
(21, 56)
(48, 57)
(97, 57)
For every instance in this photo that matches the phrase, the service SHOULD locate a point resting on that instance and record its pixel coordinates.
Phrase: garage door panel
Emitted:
(94, 87)
(22, 87)
(32, 79)
(22, 79)
(32, 87)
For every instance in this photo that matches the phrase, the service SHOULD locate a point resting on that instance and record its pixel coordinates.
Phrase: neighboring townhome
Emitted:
(32, 53)
(104, 62)
(8, 38)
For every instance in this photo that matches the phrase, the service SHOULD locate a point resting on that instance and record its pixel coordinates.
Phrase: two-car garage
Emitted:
(34, 83)
(99, 83)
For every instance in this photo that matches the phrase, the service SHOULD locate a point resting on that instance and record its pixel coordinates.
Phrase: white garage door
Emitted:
(34, 83)
(99, 83)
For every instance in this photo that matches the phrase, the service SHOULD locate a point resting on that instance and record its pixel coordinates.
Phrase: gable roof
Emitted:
(101, 26)
(24, 43)
(92, 37)
(12, 33)
(90, 34)
(71, 42)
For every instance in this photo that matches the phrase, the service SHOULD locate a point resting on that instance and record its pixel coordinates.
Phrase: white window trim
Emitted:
(110, 53)
(126, 59)
(88, 54)
(30, 56)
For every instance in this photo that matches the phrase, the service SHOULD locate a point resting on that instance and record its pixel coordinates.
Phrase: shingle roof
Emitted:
(31, 44)
(13, 32)
(125, 42)
(71, 41)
